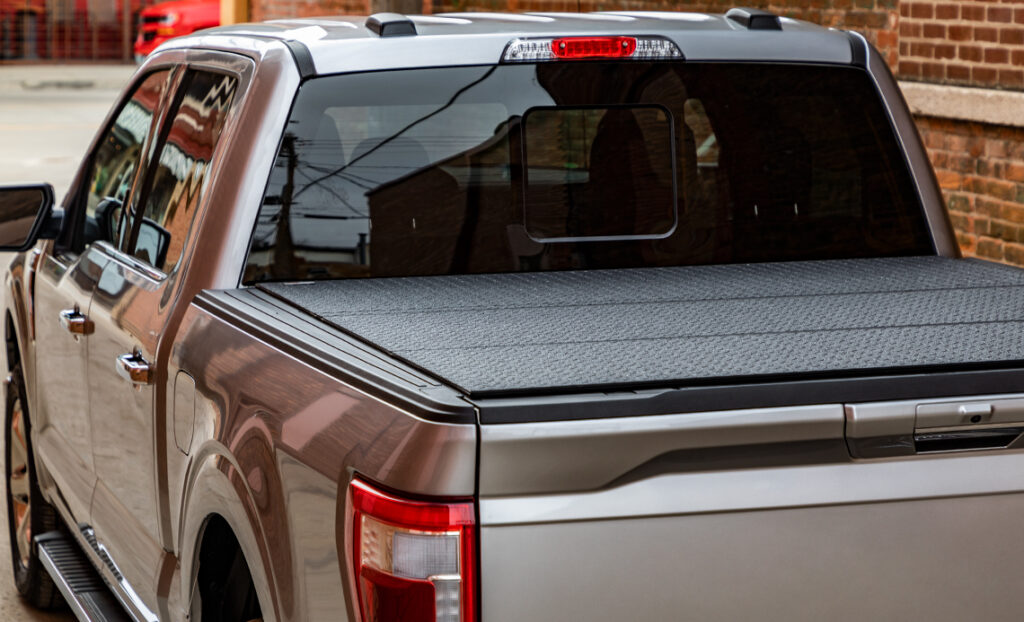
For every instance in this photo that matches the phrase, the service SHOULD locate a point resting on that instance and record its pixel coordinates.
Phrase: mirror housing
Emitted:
(27, 215)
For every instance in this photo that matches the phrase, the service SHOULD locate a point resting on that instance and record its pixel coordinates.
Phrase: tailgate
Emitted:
(770, 514)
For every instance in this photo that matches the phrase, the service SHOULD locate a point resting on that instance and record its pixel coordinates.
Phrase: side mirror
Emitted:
(153, 243)
(26, 216)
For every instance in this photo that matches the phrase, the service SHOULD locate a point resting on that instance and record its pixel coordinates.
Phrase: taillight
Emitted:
(413, 561)
(590, 48)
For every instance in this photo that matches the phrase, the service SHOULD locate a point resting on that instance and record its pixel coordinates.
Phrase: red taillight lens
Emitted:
(414, 561)
(593, 47)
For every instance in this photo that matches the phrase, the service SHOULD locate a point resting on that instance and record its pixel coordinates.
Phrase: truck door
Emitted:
(64, 286)
(133, 309)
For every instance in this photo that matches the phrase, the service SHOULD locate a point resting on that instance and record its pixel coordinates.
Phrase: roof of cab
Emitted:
(347, 43)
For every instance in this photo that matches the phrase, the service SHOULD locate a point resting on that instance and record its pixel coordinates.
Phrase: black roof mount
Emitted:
(391, 25)
(754, 19)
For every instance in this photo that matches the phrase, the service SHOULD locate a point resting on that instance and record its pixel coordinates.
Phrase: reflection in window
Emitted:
(564, 166)
(174, 189)
(117, 158)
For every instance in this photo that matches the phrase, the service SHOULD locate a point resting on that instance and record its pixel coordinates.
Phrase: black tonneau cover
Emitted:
(514, 334)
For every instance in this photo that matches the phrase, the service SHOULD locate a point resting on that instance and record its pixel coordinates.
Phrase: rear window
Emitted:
(561, 166)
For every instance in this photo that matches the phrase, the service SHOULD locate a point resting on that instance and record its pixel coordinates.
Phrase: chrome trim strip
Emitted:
(929, 476)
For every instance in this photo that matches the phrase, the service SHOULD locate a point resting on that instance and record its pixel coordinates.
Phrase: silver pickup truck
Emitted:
(480, 317)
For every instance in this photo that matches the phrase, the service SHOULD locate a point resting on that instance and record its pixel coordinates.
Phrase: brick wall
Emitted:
(981, 170)
(260, 10)
(963, 42)
(877, 19)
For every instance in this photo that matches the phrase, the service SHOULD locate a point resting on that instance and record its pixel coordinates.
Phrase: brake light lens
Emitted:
(413, 561)
(590, 48)
(593, 47)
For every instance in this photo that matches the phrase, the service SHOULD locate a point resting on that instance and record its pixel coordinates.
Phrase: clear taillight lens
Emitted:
(413, 561)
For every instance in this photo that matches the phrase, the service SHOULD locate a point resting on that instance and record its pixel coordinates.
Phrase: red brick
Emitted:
(1012, 36)
(1000, 14)
(967, 52)
(1013, 212)
(986, 34)
(922, 48)
(934, 71)
(935, 31)
(887, 39)
(997, 56)
(913, 30)
(958, 72)
(1018, 16)
(959, 33)
(909, 69)
(1014, 171)
(1011, 78)
(1018, 57)
(947, 11)
(956, 142)
(990, 248)
(972, 12)
(1014, 254)
(922, 10)
(948, 180)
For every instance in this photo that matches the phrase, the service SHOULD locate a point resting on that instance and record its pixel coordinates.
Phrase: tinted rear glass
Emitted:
(562, 166)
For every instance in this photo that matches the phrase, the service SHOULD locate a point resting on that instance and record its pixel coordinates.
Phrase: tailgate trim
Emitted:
(920, 384)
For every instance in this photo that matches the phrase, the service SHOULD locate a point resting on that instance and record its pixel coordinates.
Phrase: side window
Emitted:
(117, 158)
(174, 186)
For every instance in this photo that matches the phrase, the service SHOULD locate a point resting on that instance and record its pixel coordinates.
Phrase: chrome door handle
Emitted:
(135, 369)
(76, 323)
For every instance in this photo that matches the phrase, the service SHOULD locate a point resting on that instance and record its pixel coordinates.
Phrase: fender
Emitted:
(215, 486)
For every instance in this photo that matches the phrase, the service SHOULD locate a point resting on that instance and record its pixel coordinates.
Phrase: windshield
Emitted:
(582, 165)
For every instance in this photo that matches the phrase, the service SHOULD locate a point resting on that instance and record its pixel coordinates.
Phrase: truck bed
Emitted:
(498, 335)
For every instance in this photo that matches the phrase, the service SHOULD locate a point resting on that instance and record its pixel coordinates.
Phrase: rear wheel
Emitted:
(27, 513)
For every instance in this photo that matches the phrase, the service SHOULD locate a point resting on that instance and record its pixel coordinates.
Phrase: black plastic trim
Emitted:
(259, 316)
(754, 19)
(752, 395)
(391, 25)
(858, 51)
(42, 226)
(303, 58)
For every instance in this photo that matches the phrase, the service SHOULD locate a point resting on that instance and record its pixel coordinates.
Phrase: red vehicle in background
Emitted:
(175, 18)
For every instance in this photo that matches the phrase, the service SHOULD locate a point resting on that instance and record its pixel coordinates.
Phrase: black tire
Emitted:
(26, 508)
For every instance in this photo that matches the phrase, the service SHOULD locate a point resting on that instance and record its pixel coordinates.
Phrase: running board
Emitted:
(77, 579)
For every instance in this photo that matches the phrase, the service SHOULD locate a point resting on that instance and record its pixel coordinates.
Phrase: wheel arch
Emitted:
(215, 502)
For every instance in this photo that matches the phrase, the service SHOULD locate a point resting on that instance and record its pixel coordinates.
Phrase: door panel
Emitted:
(65, 284)
(132, 308)
(63, 437)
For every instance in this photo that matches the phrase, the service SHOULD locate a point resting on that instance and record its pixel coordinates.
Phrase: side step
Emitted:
(88, 596)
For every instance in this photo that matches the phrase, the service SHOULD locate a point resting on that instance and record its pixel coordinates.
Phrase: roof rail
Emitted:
(754, 19)
(391, 25)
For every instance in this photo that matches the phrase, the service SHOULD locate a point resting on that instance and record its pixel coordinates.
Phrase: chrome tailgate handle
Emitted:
(135, 369)
(75, 322)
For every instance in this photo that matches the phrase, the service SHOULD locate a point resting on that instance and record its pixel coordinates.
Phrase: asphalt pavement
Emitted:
(48, 117)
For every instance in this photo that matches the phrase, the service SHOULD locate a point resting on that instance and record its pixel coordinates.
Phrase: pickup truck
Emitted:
(609, 316)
